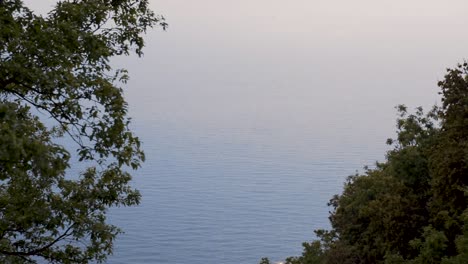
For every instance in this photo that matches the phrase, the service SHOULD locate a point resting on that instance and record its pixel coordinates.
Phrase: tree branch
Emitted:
(37, 251)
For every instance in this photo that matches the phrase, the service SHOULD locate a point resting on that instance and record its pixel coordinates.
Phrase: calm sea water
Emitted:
(253, 113)
(234, 194)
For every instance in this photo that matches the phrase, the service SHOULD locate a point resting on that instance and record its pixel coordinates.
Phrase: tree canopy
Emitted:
(59, 65)
(412, 208)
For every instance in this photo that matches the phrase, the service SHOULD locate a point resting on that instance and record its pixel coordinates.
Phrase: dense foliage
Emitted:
(412, 208)
(58, 65)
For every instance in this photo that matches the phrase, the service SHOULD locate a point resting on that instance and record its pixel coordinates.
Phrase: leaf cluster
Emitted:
(59, 65)
(412, 208)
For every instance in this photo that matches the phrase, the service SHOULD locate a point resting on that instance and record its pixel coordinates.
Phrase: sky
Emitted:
(295, 57)
(290, 63)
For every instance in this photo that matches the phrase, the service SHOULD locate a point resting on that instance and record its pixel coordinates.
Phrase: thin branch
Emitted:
(61, 122)
(39, 250)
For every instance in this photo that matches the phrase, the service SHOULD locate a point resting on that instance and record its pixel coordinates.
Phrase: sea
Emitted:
(253, 113)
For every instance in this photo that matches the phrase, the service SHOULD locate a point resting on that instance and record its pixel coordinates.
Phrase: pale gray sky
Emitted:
(280, 61)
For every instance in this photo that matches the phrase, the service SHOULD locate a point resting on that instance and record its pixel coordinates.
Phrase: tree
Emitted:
(382, 210)
(59, 65)
(449, 160)
(411, 208)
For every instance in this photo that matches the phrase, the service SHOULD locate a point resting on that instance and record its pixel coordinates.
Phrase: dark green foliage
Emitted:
(313, 253)
(449, 160)
(412, 208)
(461, 243)
(59, 65)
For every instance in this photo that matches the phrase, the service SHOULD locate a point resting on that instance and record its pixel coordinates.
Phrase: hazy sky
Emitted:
(280, 61)
(263, 55)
